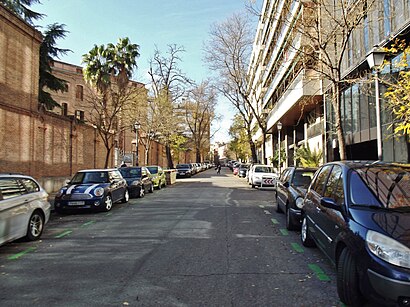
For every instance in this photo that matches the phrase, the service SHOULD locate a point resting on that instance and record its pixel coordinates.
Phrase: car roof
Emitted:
(97, 170)
(15, 175)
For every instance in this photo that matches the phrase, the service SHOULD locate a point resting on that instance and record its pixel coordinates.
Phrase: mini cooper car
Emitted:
(91, 189)
(24, 208)
(158, 176)
(139, 180)
(358, 214)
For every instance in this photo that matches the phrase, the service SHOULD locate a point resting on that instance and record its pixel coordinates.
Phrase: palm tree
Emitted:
(49, 51)
(109, 69)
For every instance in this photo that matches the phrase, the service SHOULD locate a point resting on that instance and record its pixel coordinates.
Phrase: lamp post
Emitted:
(375, 59)
(137, 127)
(279, 125)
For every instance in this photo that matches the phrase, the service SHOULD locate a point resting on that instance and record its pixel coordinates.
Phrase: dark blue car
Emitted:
(96, 189)
(358, 214)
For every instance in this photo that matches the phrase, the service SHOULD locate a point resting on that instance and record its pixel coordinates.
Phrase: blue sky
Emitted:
(147, 23)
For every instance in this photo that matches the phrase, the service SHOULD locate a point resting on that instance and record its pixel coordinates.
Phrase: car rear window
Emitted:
(130, 172)
(388, 187)
(302, 178)
(263, 169)
(182, 166)
(153, 170)
(10, 188)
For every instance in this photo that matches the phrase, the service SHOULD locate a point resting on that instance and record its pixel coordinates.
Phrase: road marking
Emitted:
(261, 206)
(274, 221)
(108, 214)
(284, 232)
(267, 212)
(87, 224)
(297, 248)
(18, 255)
(319, 272)
(63, 234)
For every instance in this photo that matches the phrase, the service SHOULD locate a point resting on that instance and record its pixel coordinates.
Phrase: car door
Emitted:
(117, 185)
(311, 205)
(330, 218)
(282, 189)
(13, 209)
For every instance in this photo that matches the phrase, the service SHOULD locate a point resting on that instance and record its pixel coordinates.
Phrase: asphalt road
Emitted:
(209, 240)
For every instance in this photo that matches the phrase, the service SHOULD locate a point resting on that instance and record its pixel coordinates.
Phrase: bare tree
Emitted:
(168, 86)
(199, 110)
(326, 30)
(228, 53)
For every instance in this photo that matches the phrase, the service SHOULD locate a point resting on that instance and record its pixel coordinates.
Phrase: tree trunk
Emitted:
(264, 147)
(169, 156)
(338, 117)
(107, 157)
(252, 146)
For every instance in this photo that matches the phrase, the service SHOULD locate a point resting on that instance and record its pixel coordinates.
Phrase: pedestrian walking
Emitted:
(218, 169)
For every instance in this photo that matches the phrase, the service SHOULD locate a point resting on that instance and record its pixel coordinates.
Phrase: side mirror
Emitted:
(286, 184)
(330, 203)
(67, 181)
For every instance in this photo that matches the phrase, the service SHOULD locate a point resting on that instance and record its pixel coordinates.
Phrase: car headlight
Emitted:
(388, 249)
(60, 193)
(299, 202)
(99, 192)
(136, 182)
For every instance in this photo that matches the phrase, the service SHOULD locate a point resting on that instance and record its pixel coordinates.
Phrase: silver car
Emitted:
(24, 208)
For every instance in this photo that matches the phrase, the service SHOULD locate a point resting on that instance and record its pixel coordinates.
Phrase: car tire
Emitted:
(159, 186)
(151, 188)
(107, 203)
(289, 223)
(35, 226)
(347, 280)
(278, 209)
(126, 197)
(142, 192)
(305, 235)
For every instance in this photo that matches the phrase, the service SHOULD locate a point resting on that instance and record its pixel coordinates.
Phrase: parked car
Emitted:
(96, 189)
(358, 214)
(184, 170)
(290, 190)
(158, 176)
(24, 208)
(139, 180)
(243, 170)
(235, 169)
(262, 175)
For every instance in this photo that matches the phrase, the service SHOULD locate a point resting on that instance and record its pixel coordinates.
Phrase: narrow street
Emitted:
(209, 240)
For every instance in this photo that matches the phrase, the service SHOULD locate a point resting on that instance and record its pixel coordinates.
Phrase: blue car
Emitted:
(95, 189)
(358, 214)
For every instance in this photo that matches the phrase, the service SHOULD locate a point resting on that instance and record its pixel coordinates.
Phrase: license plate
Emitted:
(76, 203)
(182, 173)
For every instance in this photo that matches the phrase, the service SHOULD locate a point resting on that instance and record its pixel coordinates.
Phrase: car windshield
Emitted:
(263, 169)
(381, 186)
(302, 178)
(90, 177)
(182, 166)
(130, 172)
(153, 169)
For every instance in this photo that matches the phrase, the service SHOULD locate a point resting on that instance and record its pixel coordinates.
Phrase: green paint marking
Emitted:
(63, 234)
(319, 272)
(108, 214)
(88, 224)
(261, 206)
(297, 247)
(274, 221)
(284, 232)
(18, 255)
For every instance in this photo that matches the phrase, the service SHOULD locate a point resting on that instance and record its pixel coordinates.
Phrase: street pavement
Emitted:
(209, 240)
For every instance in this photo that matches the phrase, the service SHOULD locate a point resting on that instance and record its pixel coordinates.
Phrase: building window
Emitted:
(387, 18)
(79, 92)
(355, 108)
(64, 109)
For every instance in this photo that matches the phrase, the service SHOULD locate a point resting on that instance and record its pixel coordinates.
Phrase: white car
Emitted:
(262, 175)
(24, 208)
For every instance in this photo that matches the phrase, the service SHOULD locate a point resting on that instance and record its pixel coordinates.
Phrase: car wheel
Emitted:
(35, 226)
(151, 189)
(107, 203)
(159, 185)
(278, 209)
(126, 196)
(289, 223)
(305, 235)
(142, 192)
(347, 280)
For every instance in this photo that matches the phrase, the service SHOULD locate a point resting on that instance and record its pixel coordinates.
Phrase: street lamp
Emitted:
(137, 127)
(375, 59)
(279, 125)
